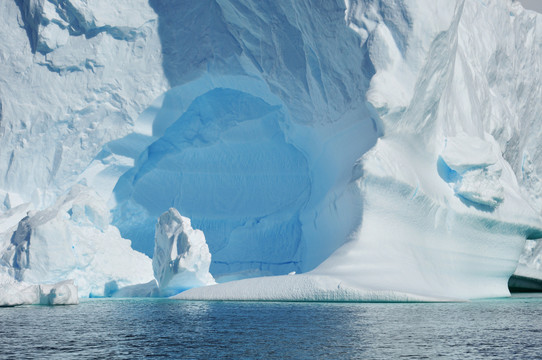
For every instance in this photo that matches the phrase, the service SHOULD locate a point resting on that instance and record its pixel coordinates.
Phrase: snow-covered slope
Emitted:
(389, 148)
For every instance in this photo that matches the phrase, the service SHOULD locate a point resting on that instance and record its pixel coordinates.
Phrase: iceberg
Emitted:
(415, 191)
(379, 150)
(181, 256)
(14, 293)
(73, 240)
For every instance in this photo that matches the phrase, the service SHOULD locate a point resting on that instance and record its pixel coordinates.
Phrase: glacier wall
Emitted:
(374, 145)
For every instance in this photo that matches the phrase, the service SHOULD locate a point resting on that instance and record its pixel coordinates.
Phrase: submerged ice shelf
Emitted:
(302, 287)
(385, 150)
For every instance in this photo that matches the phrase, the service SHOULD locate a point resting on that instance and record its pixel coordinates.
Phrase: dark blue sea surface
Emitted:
(132, 329)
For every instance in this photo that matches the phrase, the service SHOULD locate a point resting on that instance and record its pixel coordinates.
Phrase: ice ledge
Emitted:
(472, 166)
(304, 287)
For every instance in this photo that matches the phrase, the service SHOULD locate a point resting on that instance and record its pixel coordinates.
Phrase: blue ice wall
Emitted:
(225, 164)
(257, 138)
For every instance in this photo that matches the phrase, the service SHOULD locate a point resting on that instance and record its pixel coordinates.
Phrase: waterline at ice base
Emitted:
(352, 150)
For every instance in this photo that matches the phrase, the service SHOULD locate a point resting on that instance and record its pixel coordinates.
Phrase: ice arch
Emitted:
(321, 118)
(268, 194)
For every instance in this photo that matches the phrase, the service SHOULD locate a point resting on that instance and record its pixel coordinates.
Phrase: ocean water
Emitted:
(133, 329)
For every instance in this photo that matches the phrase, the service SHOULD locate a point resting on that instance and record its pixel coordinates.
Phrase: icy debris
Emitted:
(181, 255)
(13, 293)
(472, 165)
(481, 186)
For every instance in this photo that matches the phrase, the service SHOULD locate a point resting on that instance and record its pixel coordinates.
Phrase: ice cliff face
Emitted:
(74, 75)
(384, 145)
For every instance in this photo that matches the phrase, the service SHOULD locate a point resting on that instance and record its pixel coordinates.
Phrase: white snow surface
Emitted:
(384, 149)
(181, 256)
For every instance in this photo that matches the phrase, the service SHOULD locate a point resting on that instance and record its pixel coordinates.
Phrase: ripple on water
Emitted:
(131, 329)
